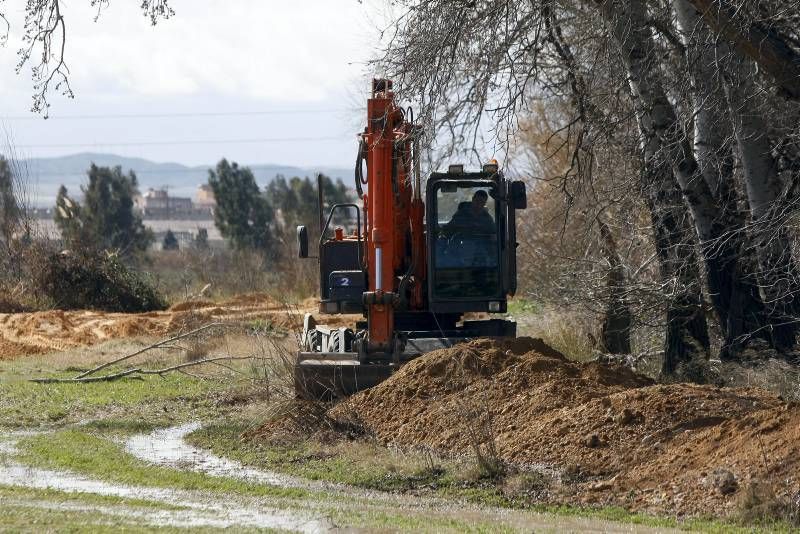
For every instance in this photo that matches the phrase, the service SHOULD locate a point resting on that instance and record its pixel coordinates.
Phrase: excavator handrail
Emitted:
(358, 226)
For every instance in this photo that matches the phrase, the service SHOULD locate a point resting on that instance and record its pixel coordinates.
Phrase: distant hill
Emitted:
(45, 175)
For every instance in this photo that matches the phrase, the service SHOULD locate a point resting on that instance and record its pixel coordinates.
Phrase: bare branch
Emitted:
(147, 348)
(763, 45)
(137, 372)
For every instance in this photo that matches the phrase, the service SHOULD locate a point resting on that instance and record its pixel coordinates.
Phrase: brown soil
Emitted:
(190, 305)
(24, 334)
(614, 436)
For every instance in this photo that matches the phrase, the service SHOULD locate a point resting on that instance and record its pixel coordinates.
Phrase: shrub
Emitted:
(97, 281)
(10, 303)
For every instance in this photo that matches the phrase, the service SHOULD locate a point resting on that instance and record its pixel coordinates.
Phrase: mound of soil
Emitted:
(614, 435)
(131, 327)
(188, 305)
(252, 299)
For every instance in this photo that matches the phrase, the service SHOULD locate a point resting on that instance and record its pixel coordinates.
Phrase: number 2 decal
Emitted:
(344, 281)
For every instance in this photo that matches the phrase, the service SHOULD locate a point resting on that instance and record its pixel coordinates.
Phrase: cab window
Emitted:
(466, 246)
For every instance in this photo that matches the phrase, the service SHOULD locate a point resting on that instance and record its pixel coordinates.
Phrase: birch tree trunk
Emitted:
(732, 286)
(667, 156)
(777, 269)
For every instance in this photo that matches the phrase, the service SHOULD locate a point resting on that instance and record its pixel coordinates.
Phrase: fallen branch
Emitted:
(143, 350)
(191, 364)
(104, 378)
(135, 372)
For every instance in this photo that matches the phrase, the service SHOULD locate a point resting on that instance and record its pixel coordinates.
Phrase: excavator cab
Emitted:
(472, 239)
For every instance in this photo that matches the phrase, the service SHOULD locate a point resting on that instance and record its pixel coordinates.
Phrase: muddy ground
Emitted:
(483, 436)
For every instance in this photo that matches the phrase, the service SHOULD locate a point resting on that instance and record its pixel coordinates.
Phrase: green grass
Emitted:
(30, 518)
(265, 327)
(162, 400)
(357, 464)
(523, 306)
(81, 452)
(37, 510)
(38, 517)
(411, 522)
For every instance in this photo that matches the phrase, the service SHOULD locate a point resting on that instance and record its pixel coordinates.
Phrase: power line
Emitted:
(175, 115)
(184, 142)
(198, 169)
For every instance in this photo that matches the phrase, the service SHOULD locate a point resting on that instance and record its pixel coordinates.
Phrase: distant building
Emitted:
(204, 198)
(157, 204)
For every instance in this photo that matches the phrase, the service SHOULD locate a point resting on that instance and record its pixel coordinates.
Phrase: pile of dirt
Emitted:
(253, 299)
(615, 436)
(188, 305)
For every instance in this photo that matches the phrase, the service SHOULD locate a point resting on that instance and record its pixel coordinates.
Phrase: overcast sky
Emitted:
(285, 80)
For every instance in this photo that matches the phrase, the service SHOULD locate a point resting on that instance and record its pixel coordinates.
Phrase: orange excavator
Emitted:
(412, 267)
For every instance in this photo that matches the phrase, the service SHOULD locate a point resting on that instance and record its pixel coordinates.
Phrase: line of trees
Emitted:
(666, 128)
(249, 217)
(105, 241)
(265, 219)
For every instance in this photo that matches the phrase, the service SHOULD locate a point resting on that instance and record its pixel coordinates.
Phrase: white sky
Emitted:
(213, 56)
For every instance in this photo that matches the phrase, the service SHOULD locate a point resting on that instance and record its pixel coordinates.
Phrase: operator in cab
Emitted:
(472, 218)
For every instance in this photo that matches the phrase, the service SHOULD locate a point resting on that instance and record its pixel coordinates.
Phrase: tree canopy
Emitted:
(243, 214)
(251, 218)
(106, 219)
(297, 200)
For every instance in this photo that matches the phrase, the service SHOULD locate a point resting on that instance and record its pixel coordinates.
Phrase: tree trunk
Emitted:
(615, 334)
(729, 262)
(778, 273)
(663, 146)
(687, 332)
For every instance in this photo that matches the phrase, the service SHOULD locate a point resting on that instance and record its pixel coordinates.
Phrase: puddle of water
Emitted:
(199, 512)
(166, 447)
(172, 518)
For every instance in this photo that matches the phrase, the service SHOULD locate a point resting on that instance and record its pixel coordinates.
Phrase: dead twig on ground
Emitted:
(104, 378)
(136, 372)
(159, 344)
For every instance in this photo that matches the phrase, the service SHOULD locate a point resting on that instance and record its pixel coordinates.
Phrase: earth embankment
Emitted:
(611, 435)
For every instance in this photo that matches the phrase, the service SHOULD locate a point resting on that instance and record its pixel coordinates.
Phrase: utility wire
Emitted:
(198, 169)
(174, 115)
(185, 142)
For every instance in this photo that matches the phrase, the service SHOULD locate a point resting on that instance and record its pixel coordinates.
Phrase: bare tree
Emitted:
(498, 60)
(44, 37)
(763, 44)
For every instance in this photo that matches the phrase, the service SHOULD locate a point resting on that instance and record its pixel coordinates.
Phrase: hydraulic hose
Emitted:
(359, 172)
